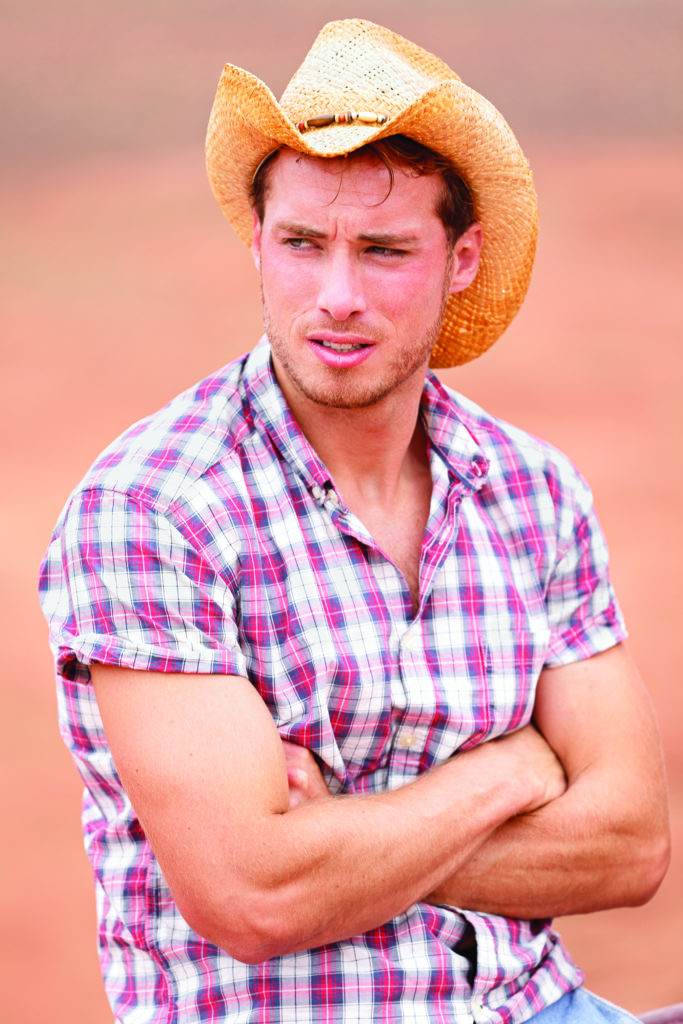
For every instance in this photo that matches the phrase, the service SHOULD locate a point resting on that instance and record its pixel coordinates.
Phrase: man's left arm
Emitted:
(605, 842)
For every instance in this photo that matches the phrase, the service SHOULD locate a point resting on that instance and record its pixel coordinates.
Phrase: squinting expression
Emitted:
(354, 280)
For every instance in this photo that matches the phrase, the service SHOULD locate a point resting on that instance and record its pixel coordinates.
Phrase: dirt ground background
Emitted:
(123, 285)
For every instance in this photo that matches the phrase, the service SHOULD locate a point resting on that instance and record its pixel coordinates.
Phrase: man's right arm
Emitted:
(203, 765)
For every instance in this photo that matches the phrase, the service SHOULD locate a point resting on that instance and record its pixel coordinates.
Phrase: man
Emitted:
(304, 615)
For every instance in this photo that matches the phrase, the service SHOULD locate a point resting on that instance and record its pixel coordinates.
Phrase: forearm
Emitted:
(575, 855)
(337, 867)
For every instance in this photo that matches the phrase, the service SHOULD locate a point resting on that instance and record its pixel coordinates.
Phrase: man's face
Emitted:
(354, 280)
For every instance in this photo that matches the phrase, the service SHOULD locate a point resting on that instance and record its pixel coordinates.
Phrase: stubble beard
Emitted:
(340, 391)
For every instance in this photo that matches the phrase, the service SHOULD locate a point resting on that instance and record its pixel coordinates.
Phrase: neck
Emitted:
(369, 450)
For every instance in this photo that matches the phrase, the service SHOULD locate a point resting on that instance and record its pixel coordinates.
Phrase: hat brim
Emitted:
(247, 123)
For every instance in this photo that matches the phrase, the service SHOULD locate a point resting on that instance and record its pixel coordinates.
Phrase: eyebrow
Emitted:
(305, 231)
(292, 228)
(388, 239)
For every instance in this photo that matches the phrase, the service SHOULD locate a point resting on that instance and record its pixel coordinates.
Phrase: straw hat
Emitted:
(373, 73)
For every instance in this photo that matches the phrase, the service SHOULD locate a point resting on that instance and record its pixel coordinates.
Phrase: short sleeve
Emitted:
(583, 613)
(124, 585)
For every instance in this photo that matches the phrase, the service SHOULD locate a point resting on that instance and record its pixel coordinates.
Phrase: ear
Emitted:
(466, 253)
(256, 240)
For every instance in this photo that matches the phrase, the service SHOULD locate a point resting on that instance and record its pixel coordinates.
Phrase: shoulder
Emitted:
(166, 498)
(527, 476)
(162, 458)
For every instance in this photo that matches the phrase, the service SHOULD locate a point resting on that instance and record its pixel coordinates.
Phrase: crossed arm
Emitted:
(504, 828)
(605, 841)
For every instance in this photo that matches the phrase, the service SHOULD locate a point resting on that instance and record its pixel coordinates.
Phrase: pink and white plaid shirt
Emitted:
(209, 538)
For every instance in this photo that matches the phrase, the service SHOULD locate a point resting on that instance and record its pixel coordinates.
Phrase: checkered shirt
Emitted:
(209, 538)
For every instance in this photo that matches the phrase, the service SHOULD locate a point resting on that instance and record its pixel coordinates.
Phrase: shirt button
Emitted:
(477, 1004)
(317, 492)
(405, 740)
(411, 639)
(333, 498)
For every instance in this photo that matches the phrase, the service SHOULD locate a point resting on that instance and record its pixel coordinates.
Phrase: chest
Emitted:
(333, 649)
(398, 528)
(398, 532)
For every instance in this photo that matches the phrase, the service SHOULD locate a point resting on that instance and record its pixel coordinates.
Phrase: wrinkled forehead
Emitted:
(361, 179)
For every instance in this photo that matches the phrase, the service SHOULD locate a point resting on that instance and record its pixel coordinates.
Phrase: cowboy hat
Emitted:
(358, 83)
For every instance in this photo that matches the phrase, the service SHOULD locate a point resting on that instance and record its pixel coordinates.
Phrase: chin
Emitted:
(345, 394)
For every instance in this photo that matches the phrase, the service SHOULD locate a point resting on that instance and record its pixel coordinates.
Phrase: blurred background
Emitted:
(123, 285)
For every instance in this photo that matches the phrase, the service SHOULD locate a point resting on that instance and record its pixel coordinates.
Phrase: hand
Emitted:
(304, 777)
(537, 762)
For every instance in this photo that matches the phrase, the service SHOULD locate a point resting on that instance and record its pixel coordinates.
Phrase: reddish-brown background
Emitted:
(124, 285)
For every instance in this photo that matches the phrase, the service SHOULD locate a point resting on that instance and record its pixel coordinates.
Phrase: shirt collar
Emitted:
(449, 434)
(270, 410)
(446, 430)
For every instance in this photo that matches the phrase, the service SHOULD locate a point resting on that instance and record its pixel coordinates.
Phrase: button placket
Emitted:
(408, 744)
(411, 640)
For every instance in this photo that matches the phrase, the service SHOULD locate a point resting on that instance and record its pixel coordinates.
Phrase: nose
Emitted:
(341, 292)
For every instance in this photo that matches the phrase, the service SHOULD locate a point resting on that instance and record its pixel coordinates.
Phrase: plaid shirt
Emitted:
(209, 538)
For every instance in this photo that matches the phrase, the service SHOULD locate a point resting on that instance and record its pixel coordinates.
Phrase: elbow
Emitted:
(255, 911)
(261, 937)
(649, 869)
(251, 927)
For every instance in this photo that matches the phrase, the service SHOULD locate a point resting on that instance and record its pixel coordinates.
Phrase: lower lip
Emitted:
(341, 360)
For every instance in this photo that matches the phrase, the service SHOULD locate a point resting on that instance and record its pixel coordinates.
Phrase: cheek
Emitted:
(408, 292)
(288, 288)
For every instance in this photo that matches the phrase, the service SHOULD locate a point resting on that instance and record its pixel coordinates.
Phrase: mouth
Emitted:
(340, 342)
(340, 350)
(335, 347)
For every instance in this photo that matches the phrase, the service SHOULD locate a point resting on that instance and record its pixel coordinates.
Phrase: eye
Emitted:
(298, 244)
(385, 252)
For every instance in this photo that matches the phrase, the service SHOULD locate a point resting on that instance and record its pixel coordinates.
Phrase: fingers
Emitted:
(298, 778)
(304, 777)
(299, 785)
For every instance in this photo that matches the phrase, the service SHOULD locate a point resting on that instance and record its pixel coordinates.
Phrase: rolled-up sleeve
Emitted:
(583, 612)
(123, 584)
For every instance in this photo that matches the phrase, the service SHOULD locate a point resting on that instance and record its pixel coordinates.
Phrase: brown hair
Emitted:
(455, 207)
